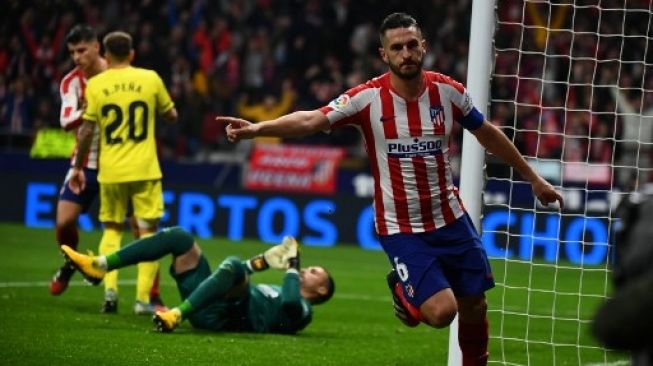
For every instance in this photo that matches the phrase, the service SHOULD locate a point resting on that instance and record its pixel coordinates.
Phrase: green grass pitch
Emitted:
(355, 328)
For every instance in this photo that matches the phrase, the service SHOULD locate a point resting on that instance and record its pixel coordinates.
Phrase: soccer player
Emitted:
(122, 103)
(406, 116)
(84, 49)
(225, 299)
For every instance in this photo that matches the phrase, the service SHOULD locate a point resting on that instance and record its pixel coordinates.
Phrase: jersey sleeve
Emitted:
(71, 110)
(464, 110)
(296, 309)
(344, 109)
(163, 101)
(90, 112)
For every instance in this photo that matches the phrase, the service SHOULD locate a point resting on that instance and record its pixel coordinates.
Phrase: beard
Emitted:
(407, 75)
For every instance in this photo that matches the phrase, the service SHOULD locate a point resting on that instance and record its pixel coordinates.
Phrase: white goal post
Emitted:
(571, 84)
(473, 154)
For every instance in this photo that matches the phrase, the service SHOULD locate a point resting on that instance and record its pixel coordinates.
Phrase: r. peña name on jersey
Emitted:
(414, 147)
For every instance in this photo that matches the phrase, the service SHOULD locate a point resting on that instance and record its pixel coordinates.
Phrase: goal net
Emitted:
(572, 86)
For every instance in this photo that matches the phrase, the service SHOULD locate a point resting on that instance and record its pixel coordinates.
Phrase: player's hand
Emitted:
(278, 256)
(237, 128)
(77, 180)
(545, 192)
(291, 257)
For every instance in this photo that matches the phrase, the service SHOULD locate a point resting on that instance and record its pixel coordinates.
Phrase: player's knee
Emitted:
(439, 319)
(147, 225)
(438, 315)
(181, 240)
(235, 266)
(66, 223)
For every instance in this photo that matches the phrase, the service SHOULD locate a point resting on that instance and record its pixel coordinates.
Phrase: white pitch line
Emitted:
(615, 363)
(35, 284)
(46, 283)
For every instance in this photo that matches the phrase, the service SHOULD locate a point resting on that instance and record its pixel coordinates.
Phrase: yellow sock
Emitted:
(110, 243)
(146, 273)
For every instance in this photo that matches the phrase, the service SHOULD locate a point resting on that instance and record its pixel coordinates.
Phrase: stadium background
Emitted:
(236, 57)
(272, 57)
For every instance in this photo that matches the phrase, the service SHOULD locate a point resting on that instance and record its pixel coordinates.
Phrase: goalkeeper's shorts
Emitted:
(219, 315)
(449, 257)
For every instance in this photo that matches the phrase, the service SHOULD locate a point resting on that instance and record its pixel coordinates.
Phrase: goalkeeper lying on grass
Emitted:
(224, 300)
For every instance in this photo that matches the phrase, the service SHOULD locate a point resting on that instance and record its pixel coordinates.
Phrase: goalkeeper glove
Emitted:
(276, 256)
(291, 256)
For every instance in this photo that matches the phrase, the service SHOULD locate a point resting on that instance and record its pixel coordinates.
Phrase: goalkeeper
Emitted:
(223, 300)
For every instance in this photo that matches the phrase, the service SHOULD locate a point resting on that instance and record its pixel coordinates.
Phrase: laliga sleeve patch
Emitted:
(340, 102)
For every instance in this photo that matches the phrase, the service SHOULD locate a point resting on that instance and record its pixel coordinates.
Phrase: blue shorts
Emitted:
(86, 197)
(449, 257)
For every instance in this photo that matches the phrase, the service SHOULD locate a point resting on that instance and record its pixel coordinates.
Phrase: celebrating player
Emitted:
(123, 102)
(84, 49)
(225, 299)
(406, 116)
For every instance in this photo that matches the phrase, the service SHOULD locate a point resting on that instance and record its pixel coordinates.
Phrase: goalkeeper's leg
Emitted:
(175, 241)
(229, 281)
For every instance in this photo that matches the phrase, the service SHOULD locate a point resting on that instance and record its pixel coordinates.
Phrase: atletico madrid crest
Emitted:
(437, 118)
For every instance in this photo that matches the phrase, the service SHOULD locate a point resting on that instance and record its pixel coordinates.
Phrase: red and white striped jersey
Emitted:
(71, 90)
(408, 147)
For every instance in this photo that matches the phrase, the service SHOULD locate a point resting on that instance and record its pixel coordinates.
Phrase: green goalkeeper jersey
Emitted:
(278, 309)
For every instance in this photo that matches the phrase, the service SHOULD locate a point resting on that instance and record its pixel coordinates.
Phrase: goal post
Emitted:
(571, 84)
(473, 154)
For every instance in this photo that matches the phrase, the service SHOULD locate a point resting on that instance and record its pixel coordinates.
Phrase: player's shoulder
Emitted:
(381, 81)
(98, 79)
(439, 78)
(145, 73)
(375, 83)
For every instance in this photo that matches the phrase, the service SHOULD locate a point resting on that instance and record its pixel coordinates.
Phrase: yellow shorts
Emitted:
(146, 197)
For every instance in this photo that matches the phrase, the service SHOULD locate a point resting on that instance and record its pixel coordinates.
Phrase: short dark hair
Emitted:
(81, 33)
(331, 288)
(397, 20)
(118, 44)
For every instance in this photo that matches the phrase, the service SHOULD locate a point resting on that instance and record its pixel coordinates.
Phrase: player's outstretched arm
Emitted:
(296, 124)
(496, 142)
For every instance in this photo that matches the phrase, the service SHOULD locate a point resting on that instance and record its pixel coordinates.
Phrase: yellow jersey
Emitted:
(124, 103)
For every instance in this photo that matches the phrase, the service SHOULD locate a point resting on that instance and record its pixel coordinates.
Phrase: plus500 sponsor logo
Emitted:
(412, 147)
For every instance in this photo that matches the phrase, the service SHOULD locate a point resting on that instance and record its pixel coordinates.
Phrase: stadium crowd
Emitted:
(222, 57)
(263, 58)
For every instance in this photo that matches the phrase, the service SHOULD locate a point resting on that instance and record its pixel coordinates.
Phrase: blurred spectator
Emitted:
(269, 108)
(18, 106)
(636, 133)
